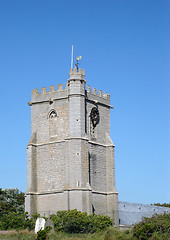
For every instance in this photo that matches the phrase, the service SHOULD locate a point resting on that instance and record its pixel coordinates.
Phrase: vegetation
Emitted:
(74, 224)
(162, 204)
(109, 234)
(42, 234)
(12, 214)
(11, 200)
(16, 221)
(156, 227)
(74, 221)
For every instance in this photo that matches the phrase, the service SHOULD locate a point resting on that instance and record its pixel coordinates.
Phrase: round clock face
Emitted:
(94, 115)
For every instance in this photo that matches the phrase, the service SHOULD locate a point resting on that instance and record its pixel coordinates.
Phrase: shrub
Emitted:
(156, 227)
(42, 234)
(11, 200)
(17, 221)
(74, 221)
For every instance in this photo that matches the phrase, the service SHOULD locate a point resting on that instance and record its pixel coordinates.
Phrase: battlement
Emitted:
(74, 74)
(100, 94)
(45, 95)
(60, 93)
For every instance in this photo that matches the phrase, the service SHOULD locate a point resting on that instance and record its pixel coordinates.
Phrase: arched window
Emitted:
(52, 116)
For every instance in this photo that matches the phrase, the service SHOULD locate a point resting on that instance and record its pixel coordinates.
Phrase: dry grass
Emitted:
(22, 235)
(109, 234)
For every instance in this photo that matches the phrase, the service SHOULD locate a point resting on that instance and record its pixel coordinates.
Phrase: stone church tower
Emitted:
(70, 159)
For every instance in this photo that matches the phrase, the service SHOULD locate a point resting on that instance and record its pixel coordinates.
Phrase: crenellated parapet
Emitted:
(50, 95)
(97, 96)
(77, 74)
(95, 92)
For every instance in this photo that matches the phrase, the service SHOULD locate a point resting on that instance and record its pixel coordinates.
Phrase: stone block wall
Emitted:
(50, 167)
(70, 161)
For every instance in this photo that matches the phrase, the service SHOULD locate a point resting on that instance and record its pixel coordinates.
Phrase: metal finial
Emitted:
(77, 64)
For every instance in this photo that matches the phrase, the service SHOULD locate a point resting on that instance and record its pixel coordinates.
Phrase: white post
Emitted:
(72, 57)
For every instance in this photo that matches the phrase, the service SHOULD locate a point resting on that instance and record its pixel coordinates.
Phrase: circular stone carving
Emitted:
(94, 115)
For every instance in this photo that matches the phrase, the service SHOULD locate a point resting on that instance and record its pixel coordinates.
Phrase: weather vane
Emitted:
(77, 63)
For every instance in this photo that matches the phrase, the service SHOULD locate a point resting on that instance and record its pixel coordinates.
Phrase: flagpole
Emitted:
(72, 57)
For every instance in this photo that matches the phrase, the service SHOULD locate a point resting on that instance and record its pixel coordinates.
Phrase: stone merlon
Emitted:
(61, 92)
(74, 74)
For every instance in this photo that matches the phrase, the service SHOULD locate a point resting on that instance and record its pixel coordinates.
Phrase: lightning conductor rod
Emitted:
(72, 57)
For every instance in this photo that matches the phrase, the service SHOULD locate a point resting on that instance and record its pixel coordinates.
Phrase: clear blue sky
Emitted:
(125, 48)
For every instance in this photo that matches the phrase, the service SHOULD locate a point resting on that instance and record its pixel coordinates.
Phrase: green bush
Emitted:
(11, 200)
(12, 214)
(74, 221)
(17, 221)
(156, 227)
(42, 234)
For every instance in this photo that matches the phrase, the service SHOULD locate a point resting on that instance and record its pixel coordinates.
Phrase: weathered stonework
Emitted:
(71, 155)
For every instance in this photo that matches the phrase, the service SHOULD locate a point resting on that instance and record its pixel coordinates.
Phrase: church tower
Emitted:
(70, 157)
